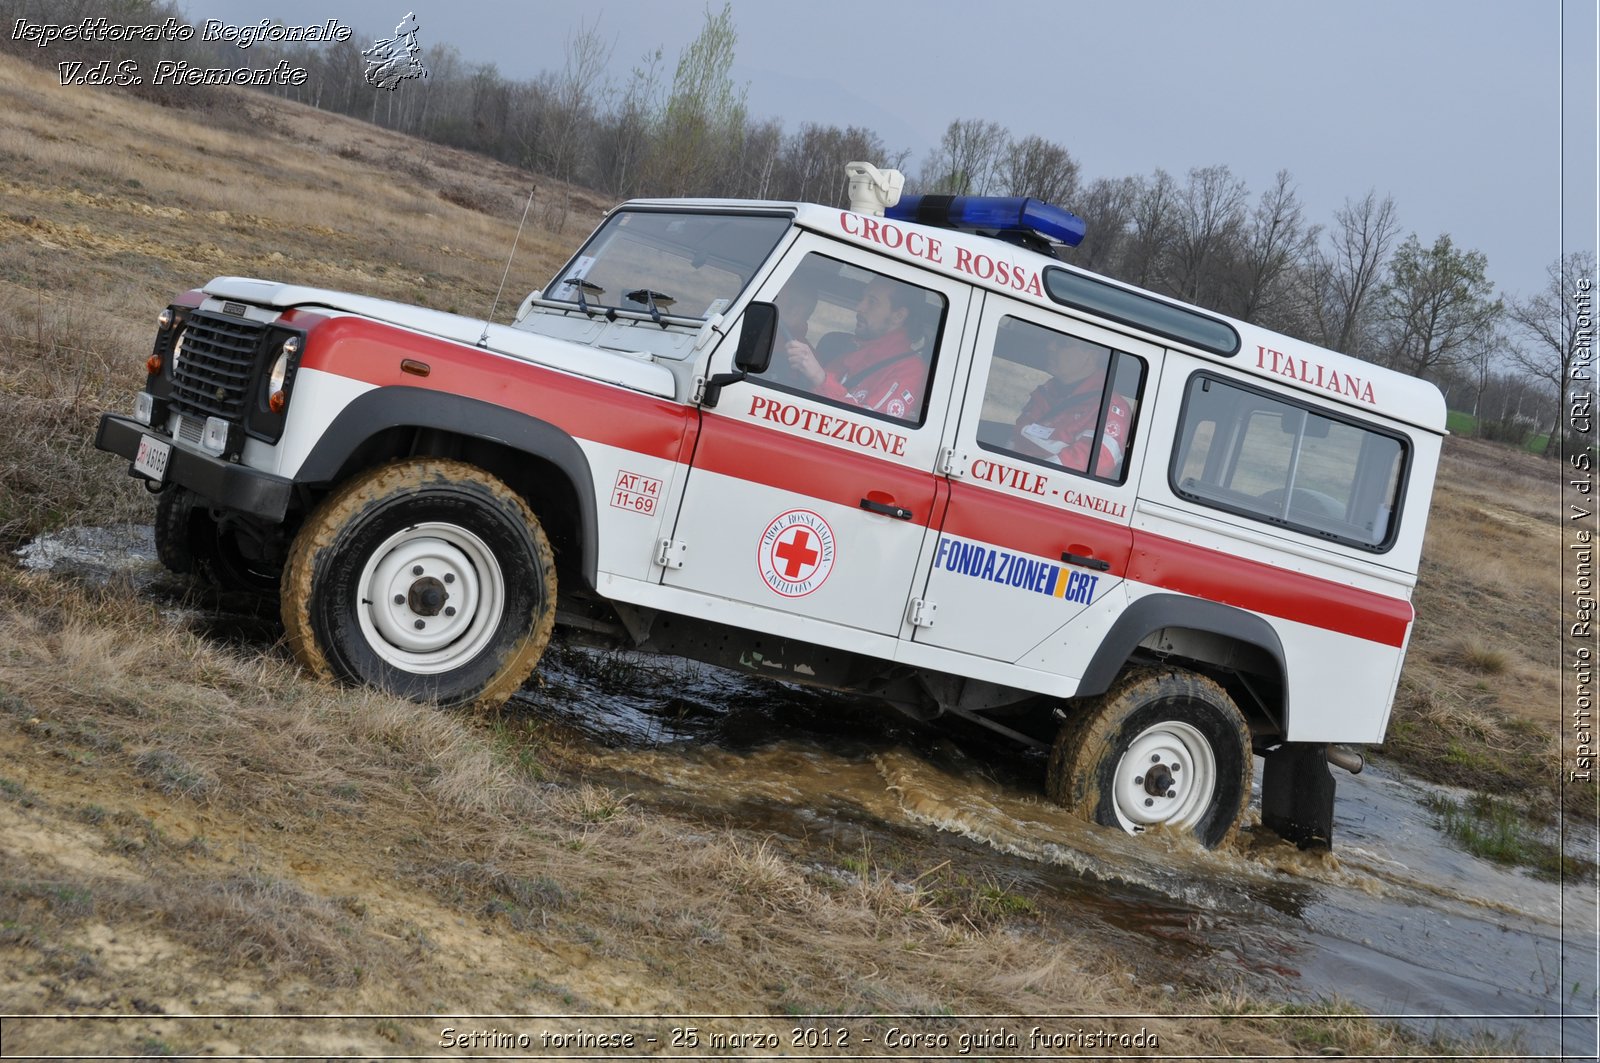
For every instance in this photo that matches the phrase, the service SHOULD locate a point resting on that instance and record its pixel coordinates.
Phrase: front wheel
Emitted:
(1162, 748)
(429, 578)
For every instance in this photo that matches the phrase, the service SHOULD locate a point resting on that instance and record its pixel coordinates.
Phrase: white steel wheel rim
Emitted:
(430, 598)
(1167, 777)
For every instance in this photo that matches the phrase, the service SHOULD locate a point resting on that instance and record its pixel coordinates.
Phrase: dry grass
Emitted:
(293, 834)
(1479, 703)
(109, 206)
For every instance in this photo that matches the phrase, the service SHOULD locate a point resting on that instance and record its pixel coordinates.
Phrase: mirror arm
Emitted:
(711, 393)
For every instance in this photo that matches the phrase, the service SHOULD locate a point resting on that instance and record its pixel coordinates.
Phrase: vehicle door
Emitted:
(816, 499)
(1043, 474)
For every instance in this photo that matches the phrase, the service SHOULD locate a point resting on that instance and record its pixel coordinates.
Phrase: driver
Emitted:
(884, 373)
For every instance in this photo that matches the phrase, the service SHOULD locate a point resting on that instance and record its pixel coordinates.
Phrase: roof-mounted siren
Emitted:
(872, 191)
(1021, 220)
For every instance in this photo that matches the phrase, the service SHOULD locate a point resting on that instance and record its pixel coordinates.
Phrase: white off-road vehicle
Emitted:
(902, 450)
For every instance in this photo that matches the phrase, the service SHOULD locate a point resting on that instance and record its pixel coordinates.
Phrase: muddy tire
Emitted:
(1164, 747)
(428, 578)
(174, 535)
(189, 542)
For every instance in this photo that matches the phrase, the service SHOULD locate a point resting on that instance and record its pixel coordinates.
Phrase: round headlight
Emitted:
(177, 350)
(279, 375)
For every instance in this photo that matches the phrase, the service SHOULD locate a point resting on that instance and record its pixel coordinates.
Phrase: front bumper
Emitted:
(232, 486)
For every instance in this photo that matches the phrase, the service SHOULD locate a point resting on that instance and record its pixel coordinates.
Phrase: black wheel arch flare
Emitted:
(386, 409)
(1154, 612)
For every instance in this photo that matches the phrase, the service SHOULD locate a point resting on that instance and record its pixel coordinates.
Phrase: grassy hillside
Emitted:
(194, 827)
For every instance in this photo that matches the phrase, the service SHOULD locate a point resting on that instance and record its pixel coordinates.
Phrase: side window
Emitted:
(1059, 400)
(1252, 453)
(856, 338)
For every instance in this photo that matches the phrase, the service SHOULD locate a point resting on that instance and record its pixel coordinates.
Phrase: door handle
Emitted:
(1083, 561)
(888, 509)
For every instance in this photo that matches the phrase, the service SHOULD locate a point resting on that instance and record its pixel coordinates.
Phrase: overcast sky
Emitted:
(1463, 110)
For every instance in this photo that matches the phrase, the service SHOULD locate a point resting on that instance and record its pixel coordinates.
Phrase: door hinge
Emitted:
(921, 612)
(949, 464)
(670, 553)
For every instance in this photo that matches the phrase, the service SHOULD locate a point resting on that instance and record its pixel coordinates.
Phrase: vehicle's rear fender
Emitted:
(1231, 640)
(535, 457)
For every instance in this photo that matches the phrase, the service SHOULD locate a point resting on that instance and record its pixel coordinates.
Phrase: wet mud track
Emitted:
(1395, 921)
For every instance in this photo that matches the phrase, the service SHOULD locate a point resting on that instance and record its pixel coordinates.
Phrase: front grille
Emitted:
(212, 373)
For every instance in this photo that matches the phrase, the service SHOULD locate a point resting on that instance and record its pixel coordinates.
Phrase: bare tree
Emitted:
(1034, 166)
(813, 161)
(1209, 217)
(1275, 244)
(1106, 207)
(1152, 215)
(623, 143)
(571, 98)
(968, 158)
(1551, 319)
(1348, 272)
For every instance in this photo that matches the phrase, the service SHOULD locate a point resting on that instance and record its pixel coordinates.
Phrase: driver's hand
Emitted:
(803, 360)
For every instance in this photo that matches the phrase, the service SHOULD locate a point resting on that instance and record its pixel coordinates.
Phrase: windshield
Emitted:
(682, 265)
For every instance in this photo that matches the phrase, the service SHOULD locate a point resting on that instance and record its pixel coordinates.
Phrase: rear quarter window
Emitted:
(1287, 464)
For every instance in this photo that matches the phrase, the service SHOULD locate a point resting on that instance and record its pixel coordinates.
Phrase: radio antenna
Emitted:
(484, 339)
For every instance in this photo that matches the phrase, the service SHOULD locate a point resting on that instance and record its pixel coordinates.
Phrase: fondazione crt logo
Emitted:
(388, 62)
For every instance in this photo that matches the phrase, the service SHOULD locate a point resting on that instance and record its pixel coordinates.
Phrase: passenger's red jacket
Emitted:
(1058, 425)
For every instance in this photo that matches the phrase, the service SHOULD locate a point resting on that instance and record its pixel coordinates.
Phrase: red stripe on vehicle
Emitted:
(1037, 528)
(753, 452)
(585, 409)
(1174, 565)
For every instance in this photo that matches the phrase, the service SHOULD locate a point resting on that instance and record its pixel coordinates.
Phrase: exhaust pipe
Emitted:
(1346, 758)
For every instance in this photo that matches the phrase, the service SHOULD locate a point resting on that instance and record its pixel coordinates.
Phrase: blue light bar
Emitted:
(1001, 214)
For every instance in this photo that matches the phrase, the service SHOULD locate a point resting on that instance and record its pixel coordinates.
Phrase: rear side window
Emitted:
(1256, 454)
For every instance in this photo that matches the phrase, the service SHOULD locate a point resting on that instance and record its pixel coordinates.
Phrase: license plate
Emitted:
(152, 458)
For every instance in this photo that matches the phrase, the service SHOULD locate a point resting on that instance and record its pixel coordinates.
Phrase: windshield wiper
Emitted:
(584, 286)
(653, 300)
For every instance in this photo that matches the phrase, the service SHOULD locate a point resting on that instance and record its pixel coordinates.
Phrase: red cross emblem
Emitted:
(796, 553)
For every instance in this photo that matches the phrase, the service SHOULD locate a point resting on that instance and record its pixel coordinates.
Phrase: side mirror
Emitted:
(753, 354)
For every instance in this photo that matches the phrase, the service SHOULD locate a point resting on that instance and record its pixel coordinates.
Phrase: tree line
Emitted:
(1356, 282)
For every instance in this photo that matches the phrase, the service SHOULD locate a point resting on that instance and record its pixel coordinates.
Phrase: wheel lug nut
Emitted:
(449, 577)
(1149, 801)
(1172, 793)
(1174, 769)
(399, 599)
(420, 625)
(449, 610)
(1155, 758)
(1139, 781)
(416, 570)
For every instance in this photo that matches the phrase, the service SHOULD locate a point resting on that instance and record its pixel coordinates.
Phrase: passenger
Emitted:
(1060, 416)
(884, 373)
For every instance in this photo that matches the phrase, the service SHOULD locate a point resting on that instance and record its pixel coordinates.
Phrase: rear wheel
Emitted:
(1163, 748)
(429, 578)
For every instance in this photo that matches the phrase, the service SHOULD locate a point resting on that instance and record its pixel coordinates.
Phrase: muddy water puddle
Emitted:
(1396, 921)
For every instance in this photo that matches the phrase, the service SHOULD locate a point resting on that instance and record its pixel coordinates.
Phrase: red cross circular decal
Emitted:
(796, 553)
